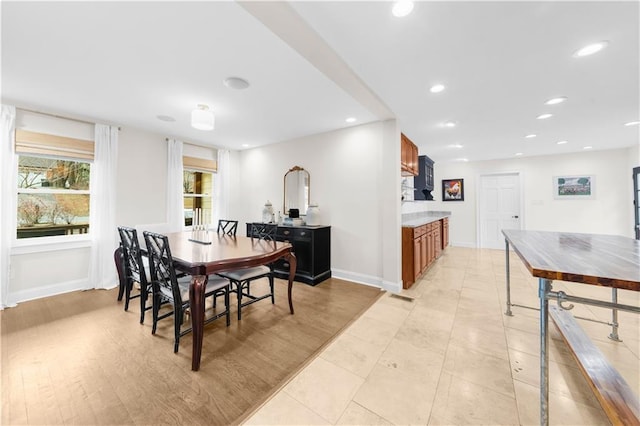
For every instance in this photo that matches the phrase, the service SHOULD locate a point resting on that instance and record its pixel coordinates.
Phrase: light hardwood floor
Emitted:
(78, 358)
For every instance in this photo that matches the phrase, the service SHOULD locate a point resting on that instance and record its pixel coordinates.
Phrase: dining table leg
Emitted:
(293, 264)
(196, 301)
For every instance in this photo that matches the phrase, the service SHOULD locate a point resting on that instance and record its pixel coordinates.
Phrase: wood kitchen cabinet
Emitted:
(408, 157)
(445, 232)
(421, 246)
(437, 238)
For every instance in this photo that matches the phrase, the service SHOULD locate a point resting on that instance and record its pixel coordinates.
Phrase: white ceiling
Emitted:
(313, 64)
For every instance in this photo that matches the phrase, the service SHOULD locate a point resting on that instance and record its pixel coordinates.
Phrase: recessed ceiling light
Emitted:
(449, 124)
(632, 123)
(518, 154)
(236, 83)
(350, 120)
(245, 145)
(562, 142)
(402, 8)
(530, 136)
(437, 88)
(456, 146)
(544, 116)
(555, 101)
(587, 147)
(590, 49)
(463, 159)
(165, 118)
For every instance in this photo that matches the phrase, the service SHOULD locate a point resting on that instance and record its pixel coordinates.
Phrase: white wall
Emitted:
(142, 178)
(354, 178)
(608, 213)
(40, 271)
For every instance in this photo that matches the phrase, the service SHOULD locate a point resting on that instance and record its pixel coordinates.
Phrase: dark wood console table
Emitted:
(603, 260)
(312, 247)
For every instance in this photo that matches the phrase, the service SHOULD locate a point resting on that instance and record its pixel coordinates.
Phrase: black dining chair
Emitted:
(168, 289)
(134, 270)
(227, 227)
(262, 233)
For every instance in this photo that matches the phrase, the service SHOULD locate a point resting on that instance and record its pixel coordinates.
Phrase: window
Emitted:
(53, 191)
(197, 186)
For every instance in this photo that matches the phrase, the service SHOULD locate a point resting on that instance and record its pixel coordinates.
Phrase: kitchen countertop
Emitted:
(413, 220)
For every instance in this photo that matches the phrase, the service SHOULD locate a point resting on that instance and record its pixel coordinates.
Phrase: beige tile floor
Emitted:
(451, 356)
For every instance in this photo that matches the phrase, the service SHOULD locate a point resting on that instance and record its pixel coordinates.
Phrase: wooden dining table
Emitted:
(221, 253)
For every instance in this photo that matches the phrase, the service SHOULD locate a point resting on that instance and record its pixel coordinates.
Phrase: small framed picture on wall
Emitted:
(452, 189)
(580, 187)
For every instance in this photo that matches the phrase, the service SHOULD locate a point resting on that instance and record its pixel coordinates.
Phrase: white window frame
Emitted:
(56, 242)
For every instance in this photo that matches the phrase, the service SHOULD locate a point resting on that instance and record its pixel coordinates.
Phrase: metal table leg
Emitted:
(614, 317)
(544, 287)
(508, 271)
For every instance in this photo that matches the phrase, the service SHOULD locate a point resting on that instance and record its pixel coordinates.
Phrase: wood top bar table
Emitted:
(222, 254)
(602, 260)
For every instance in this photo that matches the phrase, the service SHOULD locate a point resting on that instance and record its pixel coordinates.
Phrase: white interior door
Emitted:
(499, 208)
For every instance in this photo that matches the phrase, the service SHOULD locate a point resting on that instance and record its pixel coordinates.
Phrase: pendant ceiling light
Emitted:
(202, 118)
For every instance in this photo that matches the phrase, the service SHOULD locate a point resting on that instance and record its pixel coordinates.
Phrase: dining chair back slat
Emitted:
(264, 231)
(228, 227)
(163, 274)
(134, 268)
(168, 288)
(241, 279)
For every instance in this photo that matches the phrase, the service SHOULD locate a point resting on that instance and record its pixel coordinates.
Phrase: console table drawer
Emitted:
(289, 233)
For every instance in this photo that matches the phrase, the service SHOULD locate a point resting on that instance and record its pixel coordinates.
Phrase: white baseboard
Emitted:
(393, 287)
(366, 280)
(46, 291)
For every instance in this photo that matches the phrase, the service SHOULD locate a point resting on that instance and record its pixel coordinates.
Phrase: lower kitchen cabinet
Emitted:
(421, 246)
(445, 232)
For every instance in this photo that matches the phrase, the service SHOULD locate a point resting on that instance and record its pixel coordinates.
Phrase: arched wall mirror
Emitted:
(296, 190)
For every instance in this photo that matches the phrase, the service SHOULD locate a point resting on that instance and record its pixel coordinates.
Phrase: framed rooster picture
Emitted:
(452, 189)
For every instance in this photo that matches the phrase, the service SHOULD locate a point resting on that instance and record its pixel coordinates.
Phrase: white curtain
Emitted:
(175, 201)
(221, 188)
(8, 161)
(102, 270)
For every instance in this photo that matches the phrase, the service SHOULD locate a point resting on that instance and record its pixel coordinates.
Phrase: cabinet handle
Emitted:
(286, 232)
(303, 234)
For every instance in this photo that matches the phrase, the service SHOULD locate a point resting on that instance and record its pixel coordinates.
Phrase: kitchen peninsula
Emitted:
(424, 236)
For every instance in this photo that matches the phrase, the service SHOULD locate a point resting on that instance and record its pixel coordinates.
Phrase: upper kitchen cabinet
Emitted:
(408, 157)
(423, 183)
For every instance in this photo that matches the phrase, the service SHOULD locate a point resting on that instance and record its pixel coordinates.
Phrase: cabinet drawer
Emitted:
(294, 234)
(418, 231)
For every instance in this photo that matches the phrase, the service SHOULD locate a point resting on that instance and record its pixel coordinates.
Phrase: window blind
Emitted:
(28, 142)
(199, 164)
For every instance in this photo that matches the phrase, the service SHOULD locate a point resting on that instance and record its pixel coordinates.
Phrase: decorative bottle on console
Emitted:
(313, 215)
(267, 212)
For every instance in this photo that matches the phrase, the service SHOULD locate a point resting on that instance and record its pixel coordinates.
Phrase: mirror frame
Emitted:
(284, 203)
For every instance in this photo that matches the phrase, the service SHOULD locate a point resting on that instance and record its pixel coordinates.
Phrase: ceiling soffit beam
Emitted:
(281, 19)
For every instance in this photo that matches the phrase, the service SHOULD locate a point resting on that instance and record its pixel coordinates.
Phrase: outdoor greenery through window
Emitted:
(53, 197)
(198, 187)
